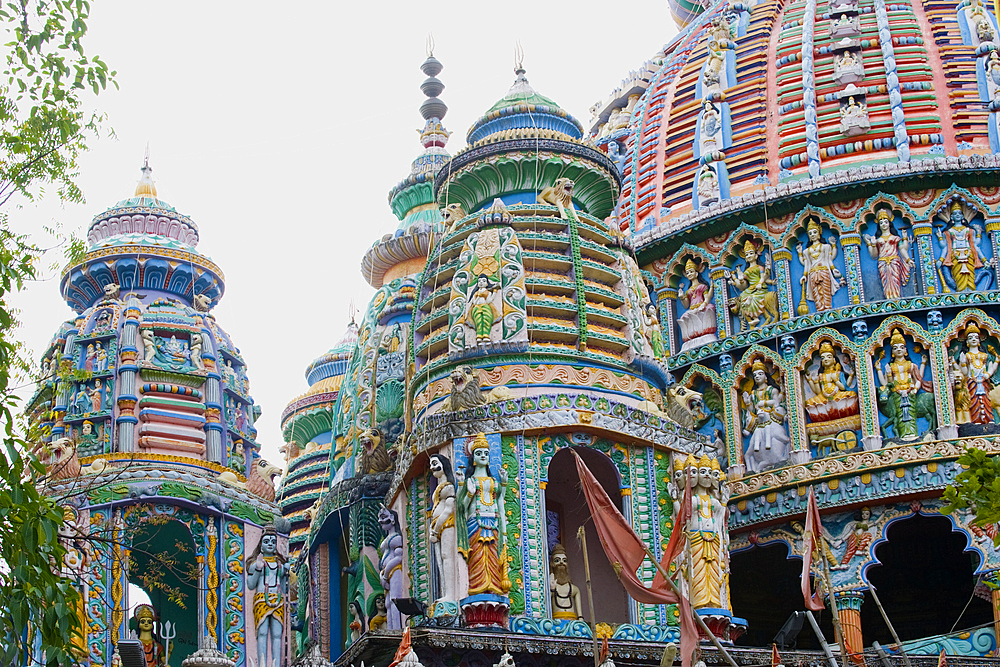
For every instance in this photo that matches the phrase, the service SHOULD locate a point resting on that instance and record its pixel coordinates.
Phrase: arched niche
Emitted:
(566, 510)
(924, 577)
(755, 279)
(963, 253)
(762, 393)
(816, 268)
(902, 358)
(828, 373)
(888, 251)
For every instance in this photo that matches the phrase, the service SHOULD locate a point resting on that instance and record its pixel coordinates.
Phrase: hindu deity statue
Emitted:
(391, 565)
(706, 531)
(481, 314)
(483, 502)
(565, 594)
(712, 76)
(960, 251)
(708, 187)
(764, 415)
(710, 125)
(698, 323)
(847, 60)
(655, 333)
(145, 625)
(892, 253)
(267, 577)
(820, 279)
(902, 396)
(830, 385)
(443, 534)
(976, 369)
(378, 616)
(357, 624)
(756, 303)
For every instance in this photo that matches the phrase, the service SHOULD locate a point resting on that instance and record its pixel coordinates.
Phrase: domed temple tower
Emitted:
(148, 438)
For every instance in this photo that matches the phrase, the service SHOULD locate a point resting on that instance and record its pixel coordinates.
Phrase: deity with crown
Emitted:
(707, 534)
(145, 629)
(902, 389)
(960, 251)
(698, 323)
(976, 368)
(482, 499)
(756, 300)
(764, 415)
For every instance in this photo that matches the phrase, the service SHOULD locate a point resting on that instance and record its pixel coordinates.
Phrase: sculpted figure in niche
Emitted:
(444, 534)
(976, 368)
(699, 319)
(832, 398)
(756, 301)
(483, 501)
(710, 125)
(764, 421)
(847, 60)
(960, 251)
(565, 594)
(101, 363)
(391, 565)
(892, 253)
(148, 344)
(481, 314)
(983, 29)
(145, 631)
(993, 71)
(821, 279)
(706, 531)
(901, 396)
(196, 343)
(357, 625)
(655, 334)
(708, 187)
(267, 577)
(713, 65)
(89, 358)
(853, 110)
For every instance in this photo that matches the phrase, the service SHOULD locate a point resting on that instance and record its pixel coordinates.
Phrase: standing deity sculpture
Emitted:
(975, 368)
(764, 415)
(655, 334)
(960, 252)
(707, 535)
(756, 303)
(148, 344)
(357, 624)
(145, 631)
(708, 187)
(267, 577)
(482, 499)
(391, 565)
(565, 595)
(902, 393)
(444, 535)
(698, 323)
(196, 343)
(892, 253)
(378, 614)
(481, 314)
(820, 278)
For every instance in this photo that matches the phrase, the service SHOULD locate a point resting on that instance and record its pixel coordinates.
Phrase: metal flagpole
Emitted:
(581, 534)
(885, 617)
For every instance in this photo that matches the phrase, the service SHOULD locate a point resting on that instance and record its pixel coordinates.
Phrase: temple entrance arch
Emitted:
(924, 578)
(566, 510)
(765, 589)
(162, 561)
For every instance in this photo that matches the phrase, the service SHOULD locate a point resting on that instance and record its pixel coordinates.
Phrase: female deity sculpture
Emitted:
(699, 320)
(960, 251)
(145, 623)
(977, 369)
(708, 187)
(706, 530)
(89, 358)
(847, 60)
(96, 398)
(832, 399)
(443, 533)
(900, 384)
(820, 279)
(655, 334)
(357, 625)
(483, 502)
(756, 301)
(710, 125)
(378, 616)
(481, 313)
(892, 253)
(764, 421)
(101, 364)
(267, 577)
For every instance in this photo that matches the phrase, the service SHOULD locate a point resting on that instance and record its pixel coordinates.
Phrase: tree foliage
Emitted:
(977, 488)
(44, 128)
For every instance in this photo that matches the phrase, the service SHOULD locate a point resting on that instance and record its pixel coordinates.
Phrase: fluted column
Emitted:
(849, 606)
(214, 431)
(127, 388)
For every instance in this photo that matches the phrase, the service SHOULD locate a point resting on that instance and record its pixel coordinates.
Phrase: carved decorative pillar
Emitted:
(211, 584)
(724, 319)
(922, 231)
(994, 578)
(214, 430)
(993, 229)
(783, 277)
(851, 241)
(849, 606)
(127, 370)
(734, 426)
(667, 306)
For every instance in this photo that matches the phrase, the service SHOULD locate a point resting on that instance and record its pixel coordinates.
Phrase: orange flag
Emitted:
(814, 601)
(941, 661)
(404, 647)
(626, 551)
(775, 658)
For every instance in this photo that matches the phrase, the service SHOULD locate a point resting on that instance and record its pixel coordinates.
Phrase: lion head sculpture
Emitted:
(451, 214)
(684, 406)
(59, 458)
(373, 457)
(560, 193)
(260, 479)
(465, 390)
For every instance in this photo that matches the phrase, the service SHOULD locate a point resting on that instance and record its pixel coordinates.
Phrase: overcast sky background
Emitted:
(279, 129)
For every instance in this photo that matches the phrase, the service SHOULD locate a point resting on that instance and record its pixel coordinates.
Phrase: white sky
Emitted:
(279, 130)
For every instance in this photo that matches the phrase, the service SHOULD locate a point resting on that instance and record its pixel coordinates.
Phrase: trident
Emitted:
(167, 632)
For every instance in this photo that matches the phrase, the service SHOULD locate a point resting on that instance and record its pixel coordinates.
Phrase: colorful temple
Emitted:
(766, 271)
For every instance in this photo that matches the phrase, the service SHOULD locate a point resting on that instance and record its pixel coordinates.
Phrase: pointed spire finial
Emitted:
(146, 187)
(518, 58)
(430, 45)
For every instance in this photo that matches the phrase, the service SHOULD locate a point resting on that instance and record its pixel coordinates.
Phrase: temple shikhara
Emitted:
(634, 390)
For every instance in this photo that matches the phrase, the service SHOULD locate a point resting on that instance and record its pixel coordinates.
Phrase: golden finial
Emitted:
(146, 187)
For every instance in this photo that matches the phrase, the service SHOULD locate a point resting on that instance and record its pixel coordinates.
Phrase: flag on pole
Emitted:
(626, 552)
(814, 601)
(775, 658)
(941, 660)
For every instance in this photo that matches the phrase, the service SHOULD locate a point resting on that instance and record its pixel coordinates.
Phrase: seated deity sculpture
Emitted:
(698, 323)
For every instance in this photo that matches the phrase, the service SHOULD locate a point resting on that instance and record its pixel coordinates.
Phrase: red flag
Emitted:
(775, 658)
(941, 661)
(626, 551)
(814, 601)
